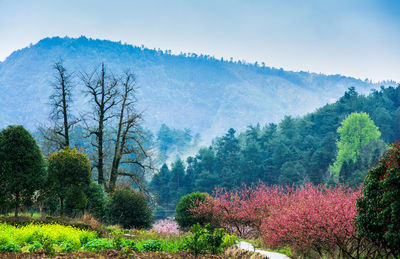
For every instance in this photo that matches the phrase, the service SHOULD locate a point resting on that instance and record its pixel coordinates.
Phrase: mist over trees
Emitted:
(173, 143)
(295, 151)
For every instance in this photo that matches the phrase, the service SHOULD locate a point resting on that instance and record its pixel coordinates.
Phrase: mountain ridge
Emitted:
(199, 92)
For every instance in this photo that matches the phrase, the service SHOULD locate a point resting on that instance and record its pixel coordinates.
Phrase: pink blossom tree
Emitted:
(166, 226)
(310, 219)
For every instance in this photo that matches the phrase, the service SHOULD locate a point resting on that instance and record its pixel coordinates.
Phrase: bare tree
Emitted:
(130, 139)
(115, 121)
(60, 114)
(103, 90)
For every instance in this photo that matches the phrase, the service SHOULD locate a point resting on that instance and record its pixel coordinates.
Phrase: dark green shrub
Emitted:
(10, 247)
(98, 244)
(183, 216)
(68, 176)
(152, 246)
(7, 246)
(96, 200)
(205, 239)
(129, 243)
(378, 206)
(75, 202)
(35, 246)
(22, 167)
(67, 246)
(48, 246)
(129, 209)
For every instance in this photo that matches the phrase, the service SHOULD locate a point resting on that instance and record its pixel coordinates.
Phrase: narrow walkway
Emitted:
(271, 255)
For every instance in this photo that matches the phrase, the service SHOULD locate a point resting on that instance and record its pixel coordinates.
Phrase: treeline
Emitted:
(295, 151)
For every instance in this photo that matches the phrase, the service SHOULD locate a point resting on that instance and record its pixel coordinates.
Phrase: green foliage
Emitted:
(378, 207)
(183, 216)
(176, 182)
(75, 201)
(96, 200)
(22, 167)
(353, 173)
(294, 151)
(48, 245)
(98, 244)
(129, 209)
(205, 239)
(68, 177)
(292, 173)
(54, 238)
(49, 237)
(118, 239)
(8, 246)
(151, 246)
(159, 186)
(355, 131)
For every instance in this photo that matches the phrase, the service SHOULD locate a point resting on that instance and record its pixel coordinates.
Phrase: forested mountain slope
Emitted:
(184, 91)
(295, 151)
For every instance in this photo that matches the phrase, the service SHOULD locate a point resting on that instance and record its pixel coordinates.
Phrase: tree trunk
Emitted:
(65, 114)
(117, 156)
(61, 207)
(100, 162)
(16, 204)
(114, 174)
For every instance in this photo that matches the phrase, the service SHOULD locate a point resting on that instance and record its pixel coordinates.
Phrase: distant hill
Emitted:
(193, 91)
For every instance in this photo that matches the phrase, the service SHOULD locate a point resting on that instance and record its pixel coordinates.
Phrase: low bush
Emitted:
(98, 244)
(96, 199)
(129, 209)
(208, 239)
(184, 217)
(151, 246)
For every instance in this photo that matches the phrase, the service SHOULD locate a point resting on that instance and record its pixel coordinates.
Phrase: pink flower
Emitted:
(166, 226)
(307, 217)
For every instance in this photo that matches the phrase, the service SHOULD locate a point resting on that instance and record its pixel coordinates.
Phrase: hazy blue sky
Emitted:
(360, 38)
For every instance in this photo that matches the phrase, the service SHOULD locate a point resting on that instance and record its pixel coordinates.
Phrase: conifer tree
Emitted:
(22, 167)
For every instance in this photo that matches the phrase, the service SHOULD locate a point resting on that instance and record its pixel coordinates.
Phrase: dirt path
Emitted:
(271, 255)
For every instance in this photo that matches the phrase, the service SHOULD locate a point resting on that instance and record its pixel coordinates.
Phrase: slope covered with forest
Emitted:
(191, 91)
(294, 151)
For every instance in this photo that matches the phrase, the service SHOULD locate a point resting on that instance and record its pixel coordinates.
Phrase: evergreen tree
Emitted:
(22, 167)
(68, 177)
(175, 183)
(378, 207)
(228, 160)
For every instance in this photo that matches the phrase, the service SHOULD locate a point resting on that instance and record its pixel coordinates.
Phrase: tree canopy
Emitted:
(68, 176)
(355, 132)
(22, 167)
(296, 150)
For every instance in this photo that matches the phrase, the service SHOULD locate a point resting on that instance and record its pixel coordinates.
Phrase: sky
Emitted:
(358, 38)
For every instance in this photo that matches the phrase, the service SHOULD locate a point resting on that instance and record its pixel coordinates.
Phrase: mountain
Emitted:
(183, 91)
